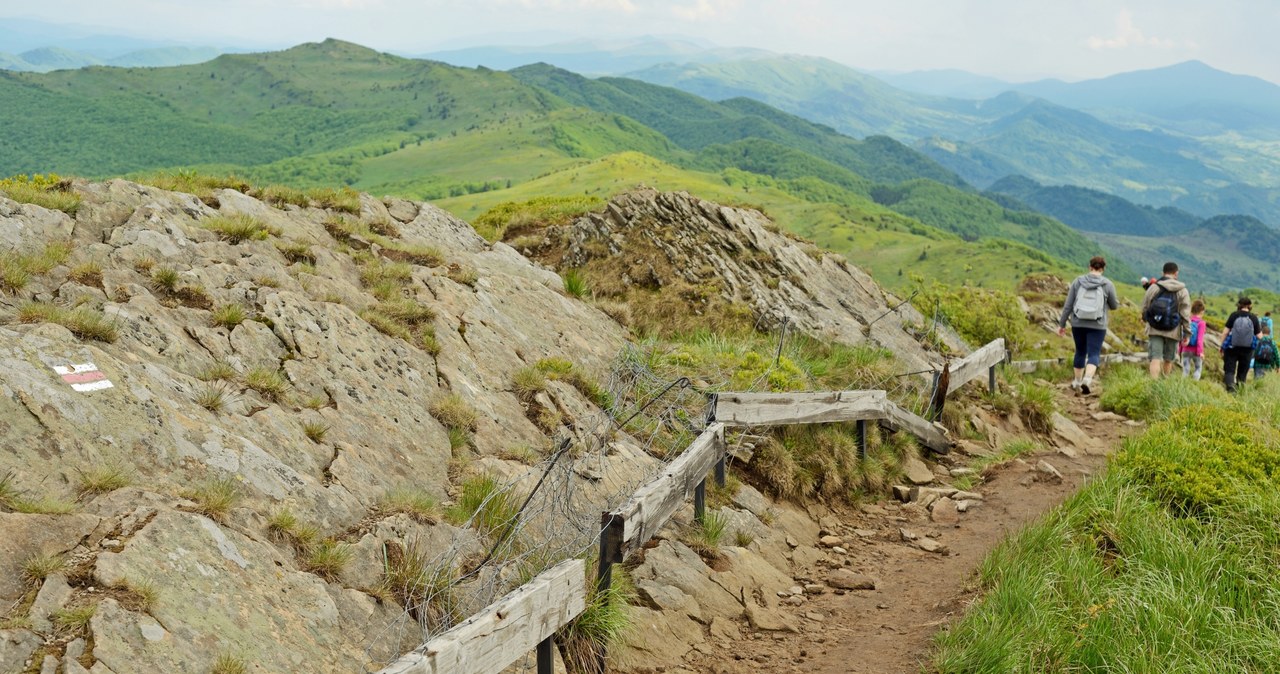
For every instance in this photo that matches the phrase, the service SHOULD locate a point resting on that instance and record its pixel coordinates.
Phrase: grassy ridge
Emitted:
(1165, 564)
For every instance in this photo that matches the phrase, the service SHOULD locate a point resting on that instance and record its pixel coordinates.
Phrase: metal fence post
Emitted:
(610, 552)
(700, 502)
(862, 439)
(991, 379)
(546, 658)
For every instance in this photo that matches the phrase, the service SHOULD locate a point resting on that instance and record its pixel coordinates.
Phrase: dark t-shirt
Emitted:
(1237, 315)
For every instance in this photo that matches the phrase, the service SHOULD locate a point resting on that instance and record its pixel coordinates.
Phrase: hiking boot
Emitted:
(1075, 386)
(1084, 388)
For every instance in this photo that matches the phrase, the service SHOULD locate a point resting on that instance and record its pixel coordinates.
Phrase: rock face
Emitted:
(351, 423)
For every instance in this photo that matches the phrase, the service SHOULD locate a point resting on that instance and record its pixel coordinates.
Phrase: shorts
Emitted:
(1163, 348)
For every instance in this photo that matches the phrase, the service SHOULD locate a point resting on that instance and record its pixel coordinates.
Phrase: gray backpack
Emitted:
(1242, 332)
(1091, 303)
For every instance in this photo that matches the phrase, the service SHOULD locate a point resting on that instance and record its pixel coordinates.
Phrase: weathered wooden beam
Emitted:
(930, 434)
(653, 504)
(782, 409)
(489, 641)
(976, 364)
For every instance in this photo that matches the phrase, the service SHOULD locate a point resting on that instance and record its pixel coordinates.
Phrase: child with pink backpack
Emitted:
(1192, 351)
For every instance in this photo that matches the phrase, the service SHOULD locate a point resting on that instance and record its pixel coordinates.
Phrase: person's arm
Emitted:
(1226, 330)
(1184, 310)
(1066, 308)
(1146, 299)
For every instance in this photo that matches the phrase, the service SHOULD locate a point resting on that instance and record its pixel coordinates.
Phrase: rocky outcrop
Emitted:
(646, 240)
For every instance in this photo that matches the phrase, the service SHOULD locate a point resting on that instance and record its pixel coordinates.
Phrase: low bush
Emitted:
(239, 228)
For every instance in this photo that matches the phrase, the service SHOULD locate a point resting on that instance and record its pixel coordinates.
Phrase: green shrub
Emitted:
(979, 315)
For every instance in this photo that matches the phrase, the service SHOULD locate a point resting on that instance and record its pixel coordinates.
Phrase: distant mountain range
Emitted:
(594, 57)
(46, 59)
(38, 46)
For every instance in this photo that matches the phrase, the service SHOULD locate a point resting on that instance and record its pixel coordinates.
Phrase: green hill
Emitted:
(1220, 254)
(1095, 211)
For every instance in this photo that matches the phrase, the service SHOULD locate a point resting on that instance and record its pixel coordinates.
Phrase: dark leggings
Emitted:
(1235, 366)
(1088, 346)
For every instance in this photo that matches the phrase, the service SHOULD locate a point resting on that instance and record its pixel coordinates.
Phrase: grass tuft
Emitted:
(215, 497)
(228, 316)
(227, 663)
(74, 619)
(269, 383)
(327, 559)
(315, 431)
(453, 412)
(102, 479)
(87, 274)
(83, 322)
(40, 566)
(575, 283)
(239, 228)
(214, 397)
(416, 503)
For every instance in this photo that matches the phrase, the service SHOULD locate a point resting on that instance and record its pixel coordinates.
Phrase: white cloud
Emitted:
(704, 9)
(624, 6)
(1128, 35)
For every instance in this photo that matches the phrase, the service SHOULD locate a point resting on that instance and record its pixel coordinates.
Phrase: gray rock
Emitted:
(26, 536)
(844, 579)
(1048, 472)
(16, 647)
(831, 541)
(944, 511)
(930, 545)
(53, 595)
(917, 472)
(768, 620)
(49, 665)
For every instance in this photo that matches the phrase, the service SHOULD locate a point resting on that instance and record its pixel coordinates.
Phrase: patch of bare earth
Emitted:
(890, 629)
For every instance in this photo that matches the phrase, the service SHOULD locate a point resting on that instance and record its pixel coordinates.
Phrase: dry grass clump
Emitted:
(284, 524)
(40, 566)
(315, 431)
(342, 199)
(463, 275)
(16, 270)
(214, 397)
(228, 316)
(83, 322)
(528, 382)
(215, 497)
(239, 228)
(74, 619)
(411, 501)
(220, 370)
(87, 274)
(453, 412)
(269, 383)
(196, 184)
(296, 252)
(326, 558)
(102, 479)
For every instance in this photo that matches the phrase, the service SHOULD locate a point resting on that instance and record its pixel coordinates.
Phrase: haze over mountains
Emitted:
(1150, 156)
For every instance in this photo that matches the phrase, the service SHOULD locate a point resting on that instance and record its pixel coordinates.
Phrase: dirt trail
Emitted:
(890, 629)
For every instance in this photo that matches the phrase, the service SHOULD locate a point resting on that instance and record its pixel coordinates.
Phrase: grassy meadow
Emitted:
(1166, 563)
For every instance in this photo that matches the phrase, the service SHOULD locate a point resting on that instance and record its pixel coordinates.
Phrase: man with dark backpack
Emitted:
(1166, 309)
(1238, 340)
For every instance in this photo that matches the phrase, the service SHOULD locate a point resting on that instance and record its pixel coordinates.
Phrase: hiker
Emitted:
(1237, 344)
(1090, 298)
(1193, 350)
(1166, 308)
(1265, 357)
(1266, 320)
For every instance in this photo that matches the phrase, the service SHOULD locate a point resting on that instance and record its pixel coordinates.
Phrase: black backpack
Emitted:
(1163, 314)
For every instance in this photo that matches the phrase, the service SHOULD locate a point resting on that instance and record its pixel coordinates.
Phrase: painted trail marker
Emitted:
(83, 377)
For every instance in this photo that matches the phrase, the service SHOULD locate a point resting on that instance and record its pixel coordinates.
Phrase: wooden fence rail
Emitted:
(489, 641)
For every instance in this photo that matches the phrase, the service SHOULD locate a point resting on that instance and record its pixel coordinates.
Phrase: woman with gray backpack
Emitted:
(1238, 340)
(1089, 299)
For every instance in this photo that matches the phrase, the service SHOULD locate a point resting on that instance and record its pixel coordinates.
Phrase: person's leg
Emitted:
(1229, 370)
(1155, 351)
(1186, 364)
(1199, 366)
(1093, 357)
(1242, 366)
(1078, 361)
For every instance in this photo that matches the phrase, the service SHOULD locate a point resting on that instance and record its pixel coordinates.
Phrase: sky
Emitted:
(1011, 39)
